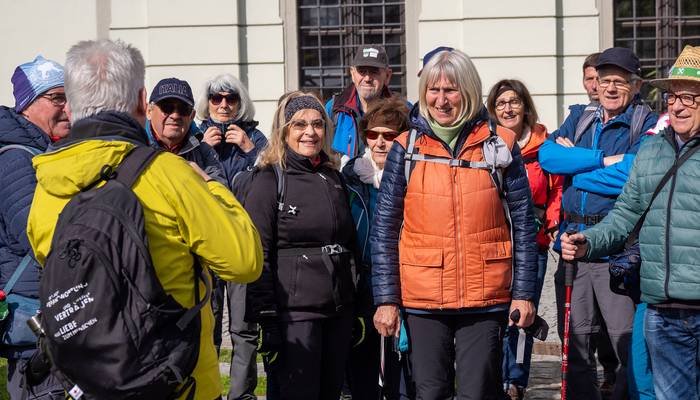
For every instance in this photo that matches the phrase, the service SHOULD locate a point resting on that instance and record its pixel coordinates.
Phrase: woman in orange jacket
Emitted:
(509, 102)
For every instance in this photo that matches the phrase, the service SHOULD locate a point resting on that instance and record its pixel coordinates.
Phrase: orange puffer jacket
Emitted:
(546, 188)
(455, 247)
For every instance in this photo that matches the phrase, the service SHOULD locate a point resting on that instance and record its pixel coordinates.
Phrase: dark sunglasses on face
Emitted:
(169, 107)
(217, 98)
(388, 136)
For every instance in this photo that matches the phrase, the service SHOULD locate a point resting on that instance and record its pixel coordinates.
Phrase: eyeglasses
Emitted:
(57, 99)
(388, 136)
(170, 107)
(620, 85)
(687, 100)
(514, 103)
(217, 98)
(301, 125)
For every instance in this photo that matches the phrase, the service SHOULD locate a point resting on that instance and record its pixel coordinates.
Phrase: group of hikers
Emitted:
(366, 248)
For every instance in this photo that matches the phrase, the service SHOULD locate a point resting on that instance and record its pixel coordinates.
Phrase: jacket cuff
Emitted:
(380, 300)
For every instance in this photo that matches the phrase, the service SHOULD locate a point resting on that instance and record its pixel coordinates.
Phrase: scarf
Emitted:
(367, 169)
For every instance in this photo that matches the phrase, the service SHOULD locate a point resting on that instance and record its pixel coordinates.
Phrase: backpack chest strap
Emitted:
(451, 162)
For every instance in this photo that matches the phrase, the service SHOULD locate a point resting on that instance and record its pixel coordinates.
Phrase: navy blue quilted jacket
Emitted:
(17, 184)
(388, 219)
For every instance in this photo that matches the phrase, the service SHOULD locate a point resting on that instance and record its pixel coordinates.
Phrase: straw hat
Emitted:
(686, 68)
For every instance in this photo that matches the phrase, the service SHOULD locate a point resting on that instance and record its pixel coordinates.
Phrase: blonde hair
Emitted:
(457, 68)
(276, 150)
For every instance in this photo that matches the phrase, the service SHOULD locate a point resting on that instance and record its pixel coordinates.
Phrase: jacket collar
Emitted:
(538, 134)
(298, 162)
(107, 124)
(16, 129)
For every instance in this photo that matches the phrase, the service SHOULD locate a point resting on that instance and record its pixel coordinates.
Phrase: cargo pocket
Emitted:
(498, 267)
(421, 274)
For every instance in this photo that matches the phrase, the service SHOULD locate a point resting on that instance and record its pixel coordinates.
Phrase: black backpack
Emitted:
(243, 180)
(111, 331)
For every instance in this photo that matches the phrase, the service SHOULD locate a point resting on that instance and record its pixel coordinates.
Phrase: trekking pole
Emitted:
(569, 271)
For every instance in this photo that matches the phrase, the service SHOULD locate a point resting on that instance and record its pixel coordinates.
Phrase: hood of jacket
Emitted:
(16, 129)
(93, 142)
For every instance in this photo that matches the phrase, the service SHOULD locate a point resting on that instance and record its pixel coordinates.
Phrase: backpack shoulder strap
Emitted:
(17, 274)
(638, 116)
(31, 150)
(584, 121)
(134, 163)
(280, 176)
(408, 157)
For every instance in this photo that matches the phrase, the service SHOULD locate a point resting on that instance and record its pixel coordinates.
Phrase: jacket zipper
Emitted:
(455, 210)
(667, 241)
(330, 202)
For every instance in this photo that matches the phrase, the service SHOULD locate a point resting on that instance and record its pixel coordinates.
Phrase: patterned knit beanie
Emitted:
(34, 78)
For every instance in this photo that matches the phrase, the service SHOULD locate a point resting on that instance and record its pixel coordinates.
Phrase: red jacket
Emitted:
(546, 188)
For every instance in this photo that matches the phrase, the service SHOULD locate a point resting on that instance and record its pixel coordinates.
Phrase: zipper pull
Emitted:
(322, 176)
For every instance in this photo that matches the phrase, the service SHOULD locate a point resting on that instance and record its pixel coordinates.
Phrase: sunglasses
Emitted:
(169, 107)
(217, 98)
(388, 136)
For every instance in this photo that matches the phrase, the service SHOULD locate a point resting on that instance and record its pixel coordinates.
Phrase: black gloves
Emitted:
(269, 340)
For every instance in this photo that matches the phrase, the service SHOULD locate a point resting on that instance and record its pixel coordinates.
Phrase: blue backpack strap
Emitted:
(31, 150)
(17, 274)
(585, 121)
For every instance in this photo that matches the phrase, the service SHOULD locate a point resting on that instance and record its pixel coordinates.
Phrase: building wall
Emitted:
(542, 42)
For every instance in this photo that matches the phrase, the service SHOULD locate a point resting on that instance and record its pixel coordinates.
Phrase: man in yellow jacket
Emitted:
(186, 213)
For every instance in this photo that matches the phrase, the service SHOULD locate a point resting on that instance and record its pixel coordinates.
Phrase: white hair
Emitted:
(103, 75)
(226, 83)
(457, 68)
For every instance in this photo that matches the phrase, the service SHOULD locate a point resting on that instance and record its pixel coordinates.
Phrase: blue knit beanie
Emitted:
(34, 78)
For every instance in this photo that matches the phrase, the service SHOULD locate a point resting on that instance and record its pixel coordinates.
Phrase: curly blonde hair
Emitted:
(276, 150)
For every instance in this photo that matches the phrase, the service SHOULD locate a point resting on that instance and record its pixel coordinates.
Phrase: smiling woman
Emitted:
(303, 301)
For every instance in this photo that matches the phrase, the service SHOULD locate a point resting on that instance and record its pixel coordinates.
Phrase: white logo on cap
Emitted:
(370, 52)
(45, 68)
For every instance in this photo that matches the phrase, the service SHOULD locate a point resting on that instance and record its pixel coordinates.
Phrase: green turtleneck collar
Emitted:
(447, 134)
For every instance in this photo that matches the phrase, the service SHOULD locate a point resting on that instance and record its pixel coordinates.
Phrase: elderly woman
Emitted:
(227, 112)
(303, 301)
(509, 102)
(454, 192)
(384, 120)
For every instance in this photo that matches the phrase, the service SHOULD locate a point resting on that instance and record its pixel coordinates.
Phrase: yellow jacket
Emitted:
(183, 214)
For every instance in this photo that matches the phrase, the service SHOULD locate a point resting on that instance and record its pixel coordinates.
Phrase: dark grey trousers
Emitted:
(592, 302)
(244, 336)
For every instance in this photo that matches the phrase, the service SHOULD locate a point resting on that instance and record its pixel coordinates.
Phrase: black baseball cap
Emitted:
(620, 57)
(371, 55)
(172, 88)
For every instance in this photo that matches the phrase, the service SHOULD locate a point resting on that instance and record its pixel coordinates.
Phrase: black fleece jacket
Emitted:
(316, 213)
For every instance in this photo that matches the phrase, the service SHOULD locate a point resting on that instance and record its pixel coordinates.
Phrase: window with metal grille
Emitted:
(331, 30)
(657, 31)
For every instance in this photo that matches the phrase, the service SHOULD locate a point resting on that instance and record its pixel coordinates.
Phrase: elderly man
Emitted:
(668, 238)
(170, 126)
(370, 74)
(189, 221)
(594, 149)
(37, 119)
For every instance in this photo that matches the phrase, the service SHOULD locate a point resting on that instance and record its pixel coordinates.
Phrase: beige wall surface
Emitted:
(542, 42)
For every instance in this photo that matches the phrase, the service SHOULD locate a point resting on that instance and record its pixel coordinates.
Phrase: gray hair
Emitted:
(457, 68)
(103, 75)
(225, 83)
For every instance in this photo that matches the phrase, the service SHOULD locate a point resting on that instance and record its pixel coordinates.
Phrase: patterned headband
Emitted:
(301, 103)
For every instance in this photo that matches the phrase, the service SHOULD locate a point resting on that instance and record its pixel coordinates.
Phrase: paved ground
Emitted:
(545, 376)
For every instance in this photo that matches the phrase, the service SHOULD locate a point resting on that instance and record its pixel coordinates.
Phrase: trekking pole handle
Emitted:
(569, 266)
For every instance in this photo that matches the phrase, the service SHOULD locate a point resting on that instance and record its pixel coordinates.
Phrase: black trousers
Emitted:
(311, 365)
(473, 341)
